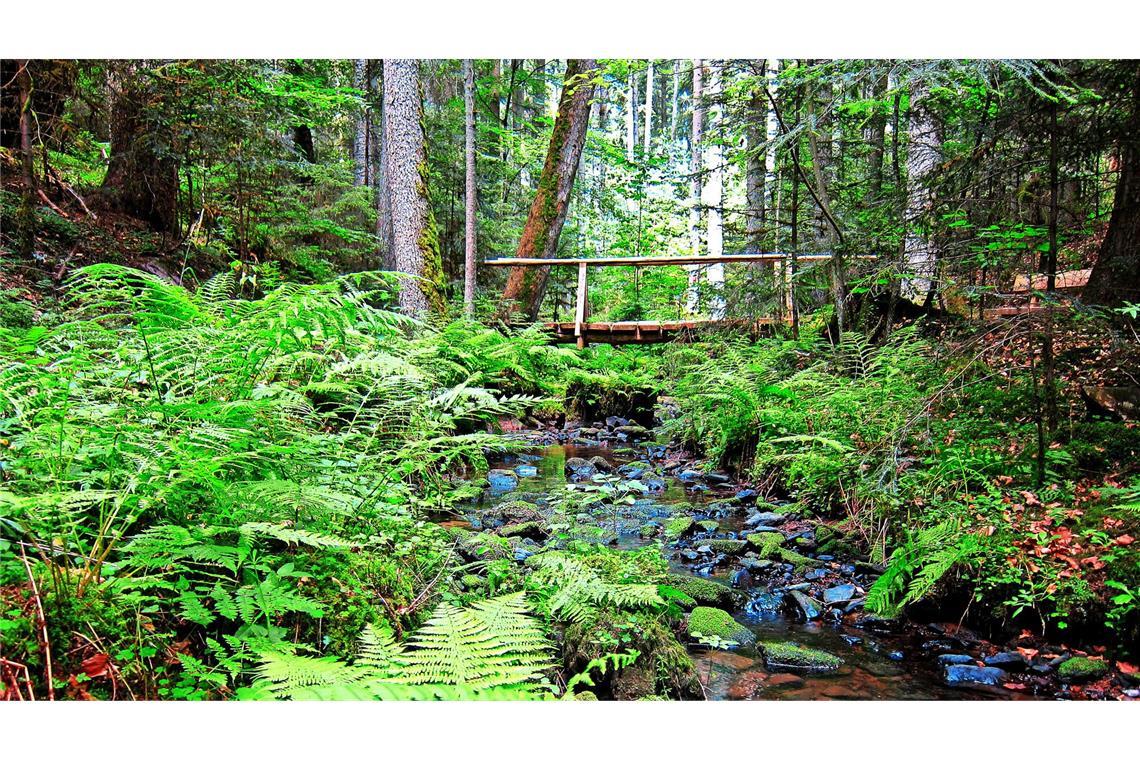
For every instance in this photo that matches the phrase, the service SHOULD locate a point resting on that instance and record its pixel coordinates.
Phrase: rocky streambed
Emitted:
(774, 602)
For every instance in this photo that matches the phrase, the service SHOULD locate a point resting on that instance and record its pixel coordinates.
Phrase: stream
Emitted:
(881, 659)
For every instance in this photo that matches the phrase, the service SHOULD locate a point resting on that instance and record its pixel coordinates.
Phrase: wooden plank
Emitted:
(658, 261)
(580, 311)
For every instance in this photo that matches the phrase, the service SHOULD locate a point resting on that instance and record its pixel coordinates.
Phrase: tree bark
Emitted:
(1115, 278)
(142, 175)
(469, 200)
(876, 139)
(648, 136)
(920, 254)
(696, 166)
(27, 204)
(755, 139)
(415, 241)
(673, 108)
(712, 194)
(380, 174)
(527, 285)
(360, 138)
(631, 118)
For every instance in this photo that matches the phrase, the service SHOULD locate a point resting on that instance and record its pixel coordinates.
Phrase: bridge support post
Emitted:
(580, 311)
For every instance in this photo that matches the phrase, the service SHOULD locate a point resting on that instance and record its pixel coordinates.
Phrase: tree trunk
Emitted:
(469, 200)
(648, 137)
(876, 139)
(1115, 278)
(756, 138)
(712, 194)
(771, 132)
(631, 118)
(697, 137)
(360, 138)
(518, 94)
(142, 175)
(673, 108)
(380, 174)
(27, 204)
(527, 285)
(415, 241)
(924, 150)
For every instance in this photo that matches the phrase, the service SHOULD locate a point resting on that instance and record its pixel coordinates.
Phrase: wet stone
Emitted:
(1014, 662)
(838, 594)
(526, 471)
(745, 496)
(809, 608)
(972, 675)
(776, 680)
(956, 659)
(633, 470)
(502, 480)
(741, 579)
(765, 518)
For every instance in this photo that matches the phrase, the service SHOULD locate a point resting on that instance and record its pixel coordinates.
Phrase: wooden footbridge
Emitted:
(582, 332)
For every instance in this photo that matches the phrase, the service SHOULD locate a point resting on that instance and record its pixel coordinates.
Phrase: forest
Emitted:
(401, 379)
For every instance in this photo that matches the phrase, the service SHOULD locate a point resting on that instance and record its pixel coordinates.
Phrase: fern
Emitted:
(573, 592)
(493, 650)
(916, 567)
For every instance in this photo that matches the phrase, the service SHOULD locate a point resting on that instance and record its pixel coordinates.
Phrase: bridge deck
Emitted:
(648, 332)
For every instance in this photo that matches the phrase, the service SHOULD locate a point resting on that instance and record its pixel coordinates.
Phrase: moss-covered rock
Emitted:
(649, 530)
(771, 546)
(712, 621)
(593, 534)
(586, 696)
(474, 546)
(531, 529)
(706, 592)
(663, 667)
(472, 582)
(1080, 669)
(513, 511)
(709, 525)
(724, 545)
(765, 539)
(678, 527)
(677, 597)
(782, 655)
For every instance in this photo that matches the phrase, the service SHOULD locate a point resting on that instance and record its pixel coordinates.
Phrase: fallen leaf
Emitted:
(1124, 540)
(95, 665)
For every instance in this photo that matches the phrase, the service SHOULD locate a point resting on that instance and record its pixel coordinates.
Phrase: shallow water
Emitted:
(875, 665)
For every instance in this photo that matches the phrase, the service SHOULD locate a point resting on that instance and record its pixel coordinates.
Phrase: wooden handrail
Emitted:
(658, 261)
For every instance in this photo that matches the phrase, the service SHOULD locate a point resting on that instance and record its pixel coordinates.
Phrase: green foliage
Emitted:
(918, 564)
(569, 589)
(202, 453)
(493, 650)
